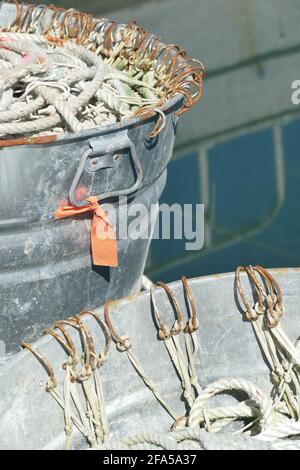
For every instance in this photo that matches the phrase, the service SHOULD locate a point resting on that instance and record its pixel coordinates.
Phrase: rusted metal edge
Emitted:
(46, 139)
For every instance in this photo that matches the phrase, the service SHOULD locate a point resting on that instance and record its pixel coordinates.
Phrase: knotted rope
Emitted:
(82, 372)
(47, 88)
(271, 420)
(123, 344)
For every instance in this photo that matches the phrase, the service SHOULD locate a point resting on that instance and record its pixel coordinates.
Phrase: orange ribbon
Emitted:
(103, 237)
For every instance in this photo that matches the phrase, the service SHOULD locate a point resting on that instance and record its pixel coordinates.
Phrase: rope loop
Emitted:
(165, 332)
(123, 344)
(193, 322)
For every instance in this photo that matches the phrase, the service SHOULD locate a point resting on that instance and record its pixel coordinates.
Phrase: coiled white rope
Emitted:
(47, 88)
(254, 393)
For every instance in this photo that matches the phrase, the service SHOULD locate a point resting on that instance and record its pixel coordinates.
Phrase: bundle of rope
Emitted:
(270, 421)
(126, 71)
(90, 417)
(48, 88)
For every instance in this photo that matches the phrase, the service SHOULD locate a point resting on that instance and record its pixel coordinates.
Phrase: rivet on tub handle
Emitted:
(103, 147)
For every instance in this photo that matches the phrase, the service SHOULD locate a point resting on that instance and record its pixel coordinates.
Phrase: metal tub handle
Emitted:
(106, 147)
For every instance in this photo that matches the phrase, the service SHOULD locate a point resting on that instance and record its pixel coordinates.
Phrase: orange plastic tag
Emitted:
(103, 237)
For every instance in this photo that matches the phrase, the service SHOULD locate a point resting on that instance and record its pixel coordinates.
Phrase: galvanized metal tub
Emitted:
(30, 418)
(46, 270)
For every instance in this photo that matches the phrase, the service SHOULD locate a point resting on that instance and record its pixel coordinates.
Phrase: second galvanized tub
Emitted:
(31, 419)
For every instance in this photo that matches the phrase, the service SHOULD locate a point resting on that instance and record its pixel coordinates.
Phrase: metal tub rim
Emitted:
(98, 131)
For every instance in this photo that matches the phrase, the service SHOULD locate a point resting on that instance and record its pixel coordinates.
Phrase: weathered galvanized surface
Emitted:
(29, 417)
(46, 270)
